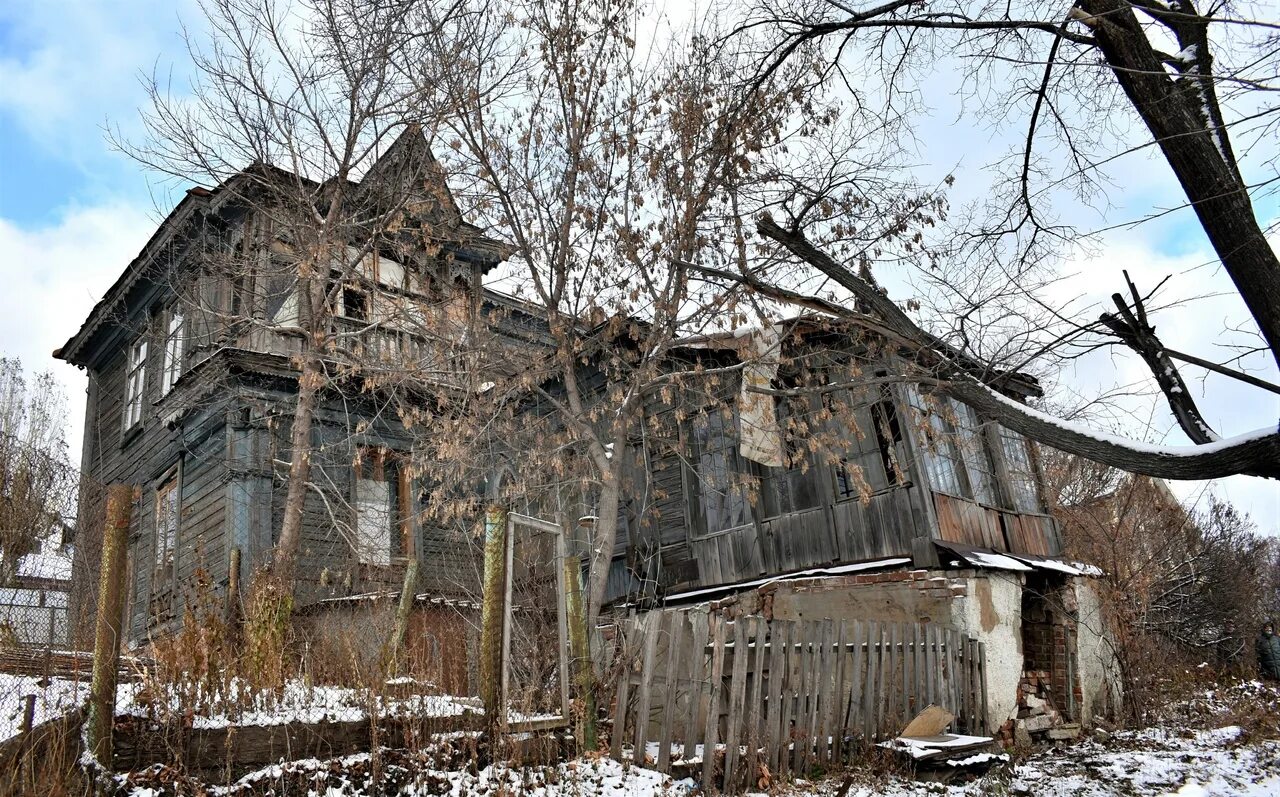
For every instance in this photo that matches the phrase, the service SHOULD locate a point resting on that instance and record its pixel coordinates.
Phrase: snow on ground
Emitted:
(53, 700)
(298, 701)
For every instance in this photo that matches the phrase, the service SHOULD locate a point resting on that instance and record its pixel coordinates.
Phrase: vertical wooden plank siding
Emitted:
(737, 698)
(651, 629)
(713, 707)
(674, 642)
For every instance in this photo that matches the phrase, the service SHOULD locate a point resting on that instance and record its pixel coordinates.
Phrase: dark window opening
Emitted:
(355, 304)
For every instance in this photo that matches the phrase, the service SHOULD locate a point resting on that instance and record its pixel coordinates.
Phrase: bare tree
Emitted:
(614, 168)
(1179, 585)
(37, 481)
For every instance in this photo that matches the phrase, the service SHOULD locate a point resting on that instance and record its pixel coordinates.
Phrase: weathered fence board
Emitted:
(786, 695)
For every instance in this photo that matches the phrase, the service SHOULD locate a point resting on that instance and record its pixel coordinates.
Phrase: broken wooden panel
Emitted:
(969, 523)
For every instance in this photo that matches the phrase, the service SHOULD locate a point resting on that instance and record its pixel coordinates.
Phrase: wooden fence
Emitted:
(781, 695)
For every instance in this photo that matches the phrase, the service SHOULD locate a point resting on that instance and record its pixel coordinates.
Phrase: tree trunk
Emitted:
(606, 533)
(286, 554)
(1180, 126)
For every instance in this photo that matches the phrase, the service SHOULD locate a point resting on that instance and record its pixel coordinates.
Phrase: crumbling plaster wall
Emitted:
(1099, 671)
(992, 611)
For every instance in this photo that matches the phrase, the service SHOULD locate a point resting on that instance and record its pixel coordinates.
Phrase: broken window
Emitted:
(174, 344)
(166, 539)
(722, 491)
(135, 380)
(1022, 477)
(876, 468)
(383, 507)
(940, 455)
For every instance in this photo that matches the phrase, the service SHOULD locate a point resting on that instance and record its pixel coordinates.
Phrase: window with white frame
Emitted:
(135, 381)
(174, 348)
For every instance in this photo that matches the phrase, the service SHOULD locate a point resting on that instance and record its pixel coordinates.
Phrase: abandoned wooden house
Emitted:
(192, 389)
(821, 500)
(837, 495)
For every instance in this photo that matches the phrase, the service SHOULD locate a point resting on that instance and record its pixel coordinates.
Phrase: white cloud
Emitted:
(71, 65)
(52, 276)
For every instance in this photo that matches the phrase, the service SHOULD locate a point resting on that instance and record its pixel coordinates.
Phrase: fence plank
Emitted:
(697, 681)
(627, 632)
(869, 685)
(983, 720)
(801, 724)
(837, 702)
(737, 699)
(825, 693)
(650, 629)
(713, 705)
(756, 699)
(674, 640)
(883, 663)
(779, 755)
(902, 632)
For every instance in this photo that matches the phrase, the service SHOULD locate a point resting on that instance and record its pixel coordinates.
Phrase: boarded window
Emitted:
(1022, 478)
(174, 348)
(722, 488)
(383, 508)
(166, 540)
(135, 382)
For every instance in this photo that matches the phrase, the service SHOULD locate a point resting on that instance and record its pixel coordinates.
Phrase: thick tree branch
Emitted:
(1133, 329)
(1256, 455)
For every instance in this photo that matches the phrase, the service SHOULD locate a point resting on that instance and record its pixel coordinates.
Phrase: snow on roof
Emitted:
(817, 572)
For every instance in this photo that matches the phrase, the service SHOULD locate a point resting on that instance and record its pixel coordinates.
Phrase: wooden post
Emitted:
(232, 607)
(391, 657)
(492, 610)
(28, 713)
(106, 648)
(579, 642)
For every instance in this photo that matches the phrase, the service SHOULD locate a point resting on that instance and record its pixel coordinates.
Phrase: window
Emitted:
(879, 424)
(1022, 478)
(383, 507)
(942, 460)
(790, 488)
(355, 304)
(970, 438)
(722, 492)
(166, 540)
(174, 342)
(135, 380)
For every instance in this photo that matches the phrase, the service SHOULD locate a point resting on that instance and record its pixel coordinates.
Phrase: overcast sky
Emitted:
(73, 213)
